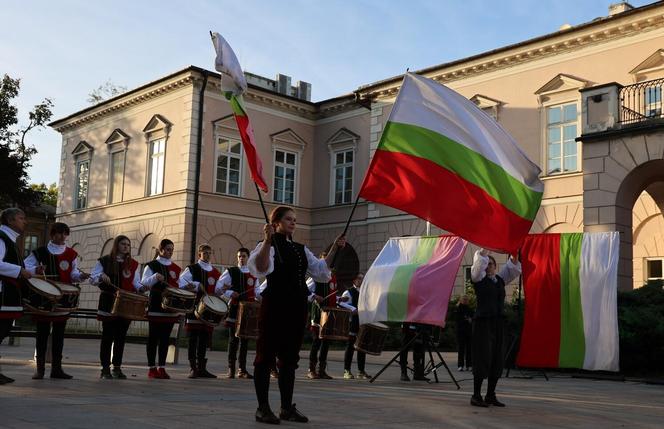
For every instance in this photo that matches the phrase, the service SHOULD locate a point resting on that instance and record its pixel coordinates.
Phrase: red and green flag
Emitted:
(442, 159)
(233, 85)
(571, 287)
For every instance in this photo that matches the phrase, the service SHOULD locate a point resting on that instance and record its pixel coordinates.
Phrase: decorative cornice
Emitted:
(529, 51)
(120, 104)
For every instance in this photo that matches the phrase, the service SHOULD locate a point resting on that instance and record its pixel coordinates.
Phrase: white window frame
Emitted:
(333, 175)
(111, 177)
(295, 167)
(652, 109)
(28, 249)
(162, 174)
(647, 273)
(77, 204)
(239, 157)
(561, 125)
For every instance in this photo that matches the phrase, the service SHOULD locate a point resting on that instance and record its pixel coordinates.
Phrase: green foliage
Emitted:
(49, 195)
(641, 325)
(15, 152)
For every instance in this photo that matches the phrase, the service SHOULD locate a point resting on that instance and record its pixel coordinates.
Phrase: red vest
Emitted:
(65, 261)
(127, 276)
(210, 279)
(173, 275)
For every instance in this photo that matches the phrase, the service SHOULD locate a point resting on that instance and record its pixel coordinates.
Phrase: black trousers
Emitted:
(198, 342)
(5, 328)
(318, 345)
(418, 351)
(158, 335)
(43, 331)
(113, 335)
(348, 356)
(233, 343)
(464, 342)
(487, 346)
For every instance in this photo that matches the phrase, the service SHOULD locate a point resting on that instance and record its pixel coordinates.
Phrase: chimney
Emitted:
(283, 84)
(621, 7)
(304, 91)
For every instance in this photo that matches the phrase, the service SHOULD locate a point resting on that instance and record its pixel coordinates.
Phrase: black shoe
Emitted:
(5, 380)
(492, 400)
(106, 374)
(404, 377)
(57, 372)
(420, 378)
(292, 415)
(39, 374)
(118, 374)
(477, 401)
(266, 416)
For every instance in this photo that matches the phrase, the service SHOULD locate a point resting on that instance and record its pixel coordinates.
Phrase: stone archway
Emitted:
(616, 171)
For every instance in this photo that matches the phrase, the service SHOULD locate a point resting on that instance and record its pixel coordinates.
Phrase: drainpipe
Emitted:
(197, 183)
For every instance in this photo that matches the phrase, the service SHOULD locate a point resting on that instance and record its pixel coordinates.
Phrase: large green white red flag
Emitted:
(411, 280)
(233, 85)
(571, 286)
(444, 160)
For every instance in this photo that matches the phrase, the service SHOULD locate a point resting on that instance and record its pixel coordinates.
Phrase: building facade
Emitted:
(130, 164)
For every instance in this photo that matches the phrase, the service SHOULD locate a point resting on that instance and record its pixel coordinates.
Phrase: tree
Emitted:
(15, 152)
(49, 195)
(105, 91)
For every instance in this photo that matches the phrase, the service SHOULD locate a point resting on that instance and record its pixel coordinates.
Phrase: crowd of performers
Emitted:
(297, 286)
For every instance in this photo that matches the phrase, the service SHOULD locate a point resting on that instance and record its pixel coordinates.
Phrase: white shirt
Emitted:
(348, 304)
(149, 278)
(317, 268)
(226, 280)
(7, 269)
(31, 262)
(186, 278)
(508, 272)
(98, 270)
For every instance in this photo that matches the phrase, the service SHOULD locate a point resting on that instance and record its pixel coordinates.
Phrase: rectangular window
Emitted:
(653, 101)
(466, 273)
(82, 176)
(30, 243)
(343, 177)
(156, 168)
(562, 149)
(654, 269)
(285, 169)
(116, 179)
(229, 161)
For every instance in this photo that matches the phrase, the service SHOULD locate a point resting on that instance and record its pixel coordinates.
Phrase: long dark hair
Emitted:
(114, 254)
(162, 245)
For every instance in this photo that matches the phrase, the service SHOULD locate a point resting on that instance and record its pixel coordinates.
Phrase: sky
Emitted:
(65, 49)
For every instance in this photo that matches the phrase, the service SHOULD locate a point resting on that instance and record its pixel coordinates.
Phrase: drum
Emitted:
(70, 295)
(247, 319)
(334, 323)
(371, 337)
(40, 296)
(211, 310)
(178, 300)
(129, 305)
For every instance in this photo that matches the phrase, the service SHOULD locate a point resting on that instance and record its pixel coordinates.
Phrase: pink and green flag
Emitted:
(442, 159)
(411, 280)
(571, 286)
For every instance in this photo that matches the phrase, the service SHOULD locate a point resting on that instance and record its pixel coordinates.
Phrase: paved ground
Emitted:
(88, 402)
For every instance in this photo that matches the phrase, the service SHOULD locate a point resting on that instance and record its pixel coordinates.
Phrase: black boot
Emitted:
(106, 373)
(321, 371)
(40, 369)
(265, 415)
(293, 414)
(202, 369)
(231, 370)
(312, 375)
(404, 373)
(193, 372)
(57, 372)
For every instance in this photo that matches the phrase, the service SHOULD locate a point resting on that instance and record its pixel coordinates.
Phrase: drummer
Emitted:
(159, 274)
(113, 271)
(200, 273)
(13, 223)
(240, 284)
(60, 263)
(349, 300)
(321, 294)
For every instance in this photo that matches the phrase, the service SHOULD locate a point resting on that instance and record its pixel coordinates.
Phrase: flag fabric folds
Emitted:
(411, 280)
(442, 159)
(233, 85)
(570, 286)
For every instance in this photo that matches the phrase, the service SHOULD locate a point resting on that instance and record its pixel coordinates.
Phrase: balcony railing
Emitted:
(641, 102)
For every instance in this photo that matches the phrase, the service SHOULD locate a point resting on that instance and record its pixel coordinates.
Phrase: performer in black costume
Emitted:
(283, 312)
(487, 342)
(464, 333)
(349, 300)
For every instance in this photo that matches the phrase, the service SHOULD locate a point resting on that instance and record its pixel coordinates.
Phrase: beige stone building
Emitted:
(584, 102)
